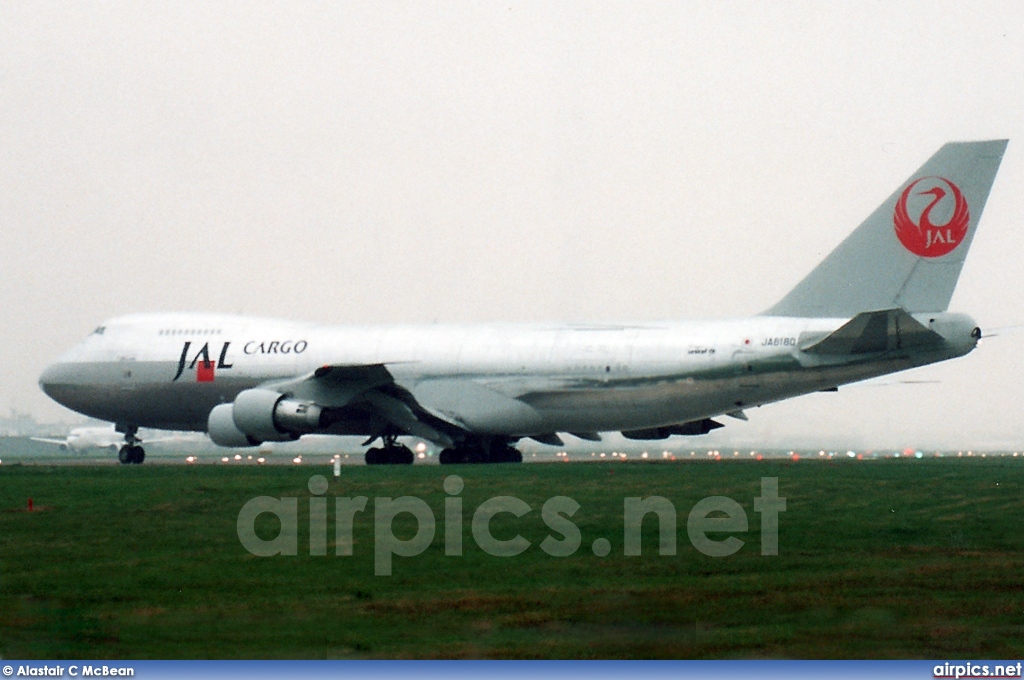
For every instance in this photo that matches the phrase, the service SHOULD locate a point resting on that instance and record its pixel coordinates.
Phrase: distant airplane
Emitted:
(85, 439)
(876, 305)
(82, 439)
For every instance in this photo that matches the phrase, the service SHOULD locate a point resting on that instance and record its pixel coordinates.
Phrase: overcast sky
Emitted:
(345, 162)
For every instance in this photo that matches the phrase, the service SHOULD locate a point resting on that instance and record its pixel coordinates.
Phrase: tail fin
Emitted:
(909, 252)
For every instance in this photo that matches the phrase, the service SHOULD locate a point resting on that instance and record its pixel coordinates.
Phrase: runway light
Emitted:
(238, 456)
(602, 455)
(644, 454)
(421, 447)
(261, 460)
(249, 458)
(796, 457)
(190, 460)
(224, 459)
(422, 455)
(297, 460)
(851, 454)
(758, 457)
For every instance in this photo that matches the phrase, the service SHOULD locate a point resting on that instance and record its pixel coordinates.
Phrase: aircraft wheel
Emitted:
(139, 455)
(374, 456)
(401, 455)
(510, 455)
(454, 457)
(477, 455)
(503, 453)
(125, 455)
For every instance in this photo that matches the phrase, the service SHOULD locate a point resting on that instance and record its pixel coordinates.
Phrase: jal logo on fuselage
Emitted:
(205, 367)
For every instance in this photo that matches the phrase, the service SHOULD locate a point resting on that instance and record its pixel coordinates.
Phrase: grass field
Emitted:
(894, 558)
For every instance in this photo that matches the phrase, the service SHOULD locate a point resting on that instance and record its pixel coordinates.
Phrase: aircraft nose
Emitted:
(47, 379)
(55, 381)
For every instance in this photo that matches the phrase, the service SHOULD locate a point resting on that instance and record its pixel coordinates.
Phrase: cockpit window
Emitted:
(99, 330)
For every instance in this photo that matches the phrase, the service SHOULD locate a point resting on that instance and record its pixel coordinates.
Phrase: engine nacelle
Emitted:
(221, 427)
(266, 416)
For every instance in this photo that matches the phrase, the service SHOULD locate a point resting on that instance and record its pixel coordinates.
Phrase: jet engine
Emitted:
(258, 416)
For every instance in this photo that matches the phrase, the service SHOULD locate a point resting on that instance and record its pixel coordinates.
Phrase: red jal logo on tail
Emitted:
(924, 237)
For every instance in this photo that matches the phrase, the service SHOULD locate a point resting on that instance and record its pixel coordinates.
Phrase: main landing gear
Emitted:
(389, 453)
(494, 450)
(483, 450)
(132, 452)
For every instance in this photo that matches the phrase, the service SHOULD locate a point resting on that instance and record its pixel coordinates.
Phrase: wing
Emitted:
(367, 400)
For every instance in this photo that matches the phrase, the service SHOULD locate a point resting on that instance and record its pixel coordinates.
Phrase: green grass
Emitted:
(891, 559)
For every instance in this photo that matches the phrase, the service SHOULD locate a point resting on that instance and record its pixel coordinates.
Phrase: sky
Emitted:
(476, 162)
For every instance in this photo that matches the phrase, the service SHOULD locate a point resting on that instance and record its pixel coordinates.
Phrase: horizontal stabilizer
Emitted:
(874, 332)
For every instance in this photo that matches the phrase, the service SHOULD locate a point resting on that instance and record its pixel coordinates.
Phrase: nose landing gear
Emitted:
(132, 452)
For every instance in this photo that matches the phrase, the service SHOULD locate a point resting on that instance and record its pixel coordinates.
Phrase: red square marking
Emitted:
(204, 371)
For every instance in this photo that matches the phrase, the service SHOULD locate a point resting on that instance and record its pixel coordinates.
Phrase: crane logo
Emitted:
(925, 237)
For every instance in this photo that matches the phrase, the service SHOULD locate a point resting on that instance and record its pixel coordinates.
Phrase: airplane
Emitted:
(84, 439)
(876, 305)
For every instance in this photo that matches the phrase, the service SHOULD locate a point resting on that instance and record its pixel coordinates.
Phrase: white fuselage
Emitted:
(169, 370)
